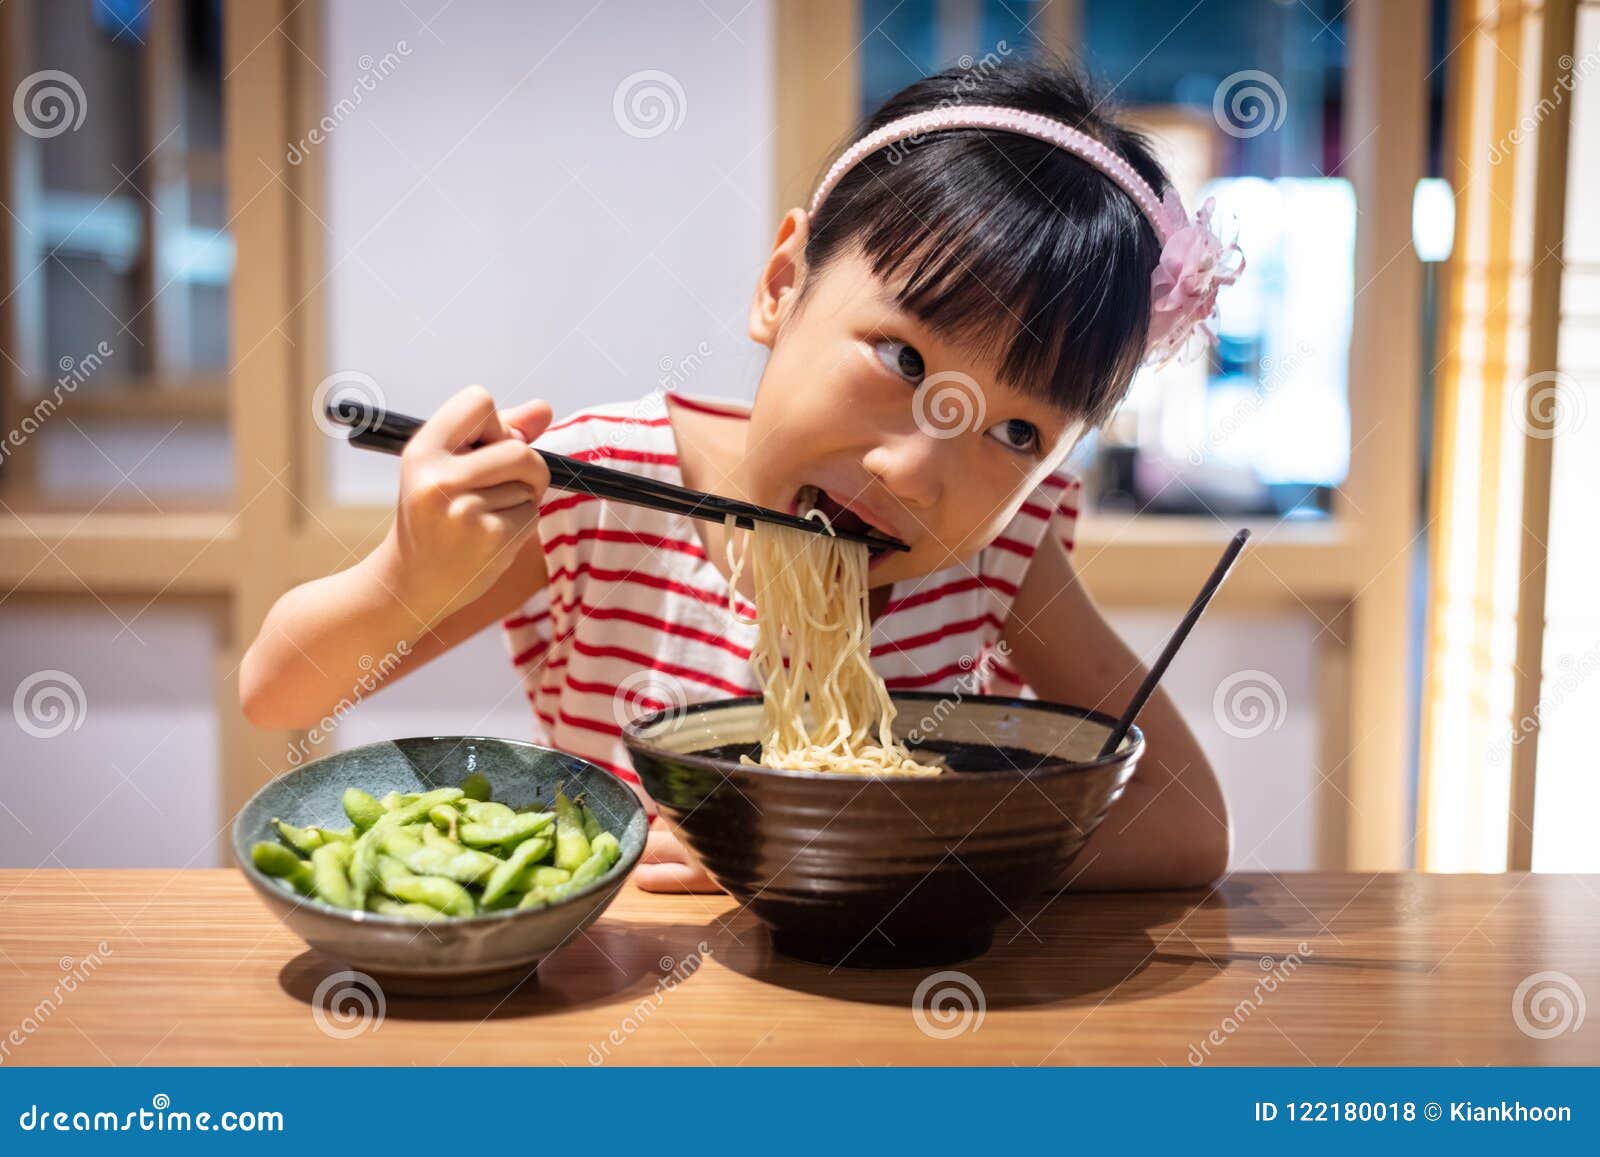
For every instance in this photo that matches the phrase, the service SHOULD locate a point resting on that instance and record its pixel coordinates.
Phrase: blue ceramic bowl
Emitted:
(472, 954)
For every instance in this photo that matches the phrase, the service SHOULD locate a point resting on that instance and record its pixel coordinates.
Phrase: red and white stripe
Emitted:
(635, 617)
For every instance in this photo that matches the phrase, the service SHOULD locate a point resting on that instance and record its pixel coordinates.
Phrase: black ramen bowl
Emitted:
(891, 871)
(493, 950)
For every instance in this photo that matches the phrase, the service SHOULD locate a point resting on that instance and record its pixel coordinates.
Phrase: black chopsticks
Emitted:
(388, 433)
(1230, 555)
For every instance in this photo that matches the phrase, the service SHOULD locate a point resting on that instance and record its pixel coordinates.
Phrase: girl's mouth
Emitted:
(811, 498)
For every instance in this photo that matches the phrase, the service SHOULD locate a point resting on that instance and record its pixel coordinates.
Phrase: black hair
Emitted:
(1005, 241)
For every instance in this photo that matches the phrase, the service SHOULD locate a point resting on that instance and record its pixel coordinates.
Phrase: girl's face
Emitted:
(864, 413)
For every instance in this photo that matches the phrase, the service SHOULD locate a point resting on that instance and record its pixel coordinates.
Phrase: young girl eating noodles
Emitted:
(971, 289)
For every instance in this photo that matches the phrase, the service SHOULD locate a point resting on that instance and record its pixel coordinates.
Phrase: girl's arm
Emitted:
(463, 552)
(1170, 828)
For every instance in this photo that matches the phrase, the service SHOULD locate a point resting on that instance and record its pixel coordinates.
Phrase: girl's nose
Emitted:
(913, 467)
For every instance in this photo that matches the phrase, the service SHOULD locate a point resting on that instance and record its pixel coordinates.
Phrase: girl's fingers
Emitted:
(528, 420)
(510, 460)
(506, 495)
(517, 521)
(462, 420)
(665, 877)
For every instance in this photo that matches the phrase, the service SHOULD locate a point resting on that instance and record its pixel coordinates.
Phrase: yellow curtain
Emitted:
(1506, 153)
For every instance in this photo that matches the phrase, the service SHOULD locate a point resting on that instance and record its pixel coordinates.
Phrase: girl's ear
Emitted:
(780, 278)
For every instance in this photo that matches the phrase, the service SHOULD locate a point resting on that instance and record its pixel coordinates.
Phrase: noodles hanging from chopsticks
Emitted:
(827, 709)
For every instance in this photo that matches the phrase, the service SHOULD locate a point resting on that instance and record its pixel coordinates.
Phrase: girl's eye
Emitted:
(901, 358)
(1017, 435)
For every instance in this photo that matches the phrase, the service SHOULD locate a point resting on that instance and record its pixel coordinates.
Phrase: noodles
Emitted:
(827, 709)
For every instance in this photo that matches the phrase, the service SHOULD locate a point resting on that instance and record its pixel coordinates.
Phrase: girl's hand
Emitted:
(667, 865)
(470, 488)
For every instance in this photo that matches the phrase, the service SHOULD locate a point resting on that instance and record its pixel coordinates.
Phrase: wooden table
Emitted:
(189, 968)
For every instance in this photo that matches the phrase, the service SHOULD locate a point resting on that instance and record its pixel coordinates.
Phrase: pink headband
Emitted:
(1194, 262)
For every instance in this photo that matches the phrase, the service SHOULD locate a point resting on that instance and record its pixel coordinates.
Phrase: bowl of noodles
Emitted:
(866, 828)
(888, 870)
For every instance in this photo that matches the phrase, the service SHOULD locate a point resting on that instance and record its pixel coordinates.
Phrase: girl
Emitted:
(971, 289)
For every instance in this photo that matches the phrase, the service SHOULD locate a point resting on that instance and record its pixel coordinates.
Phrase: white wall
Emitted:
(109, 758)
(1261, 734)
(491, 220)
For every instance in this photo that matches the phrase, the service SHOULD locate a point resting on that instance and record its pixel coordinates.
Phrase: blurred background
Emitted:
(216, 212)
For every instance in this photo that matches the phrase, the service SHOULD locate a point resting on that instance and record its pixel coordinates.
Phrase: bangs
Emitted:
(1024, 254)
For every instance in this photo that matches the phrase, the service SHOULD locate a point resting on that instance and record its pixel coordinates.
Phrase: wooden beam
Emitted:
(818, 89)
(137, 554)
(1559, 34)
(1059, 25)
(1386, 131)
(259, 64)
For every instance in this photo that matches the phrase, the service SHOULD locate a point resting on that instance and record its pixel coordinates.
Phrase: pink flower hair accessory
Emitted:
(1194, 265)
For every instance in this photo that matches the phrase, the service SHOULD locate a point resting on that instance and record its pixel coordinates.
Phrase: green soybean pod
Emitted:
(487, 812)
(476, 787)
(336, 835)
(445, 818)
(591, 823)
(572, 846)
(390, 801)
(542, 876)
(498, 832)
(303, 840)
(432, 837)
(363, 810)
(278, 861)
(606, 852)
(398, 842)
(606, 846)
(416, 811)
(463, 865)
(364, 865)
(503, 877)
(390, 907)
(330, 874)
(533, 899)
(435, 891)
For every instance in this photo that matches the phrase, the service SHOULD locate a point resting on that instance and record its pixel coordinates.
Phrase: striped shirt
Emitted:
(635, 617)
